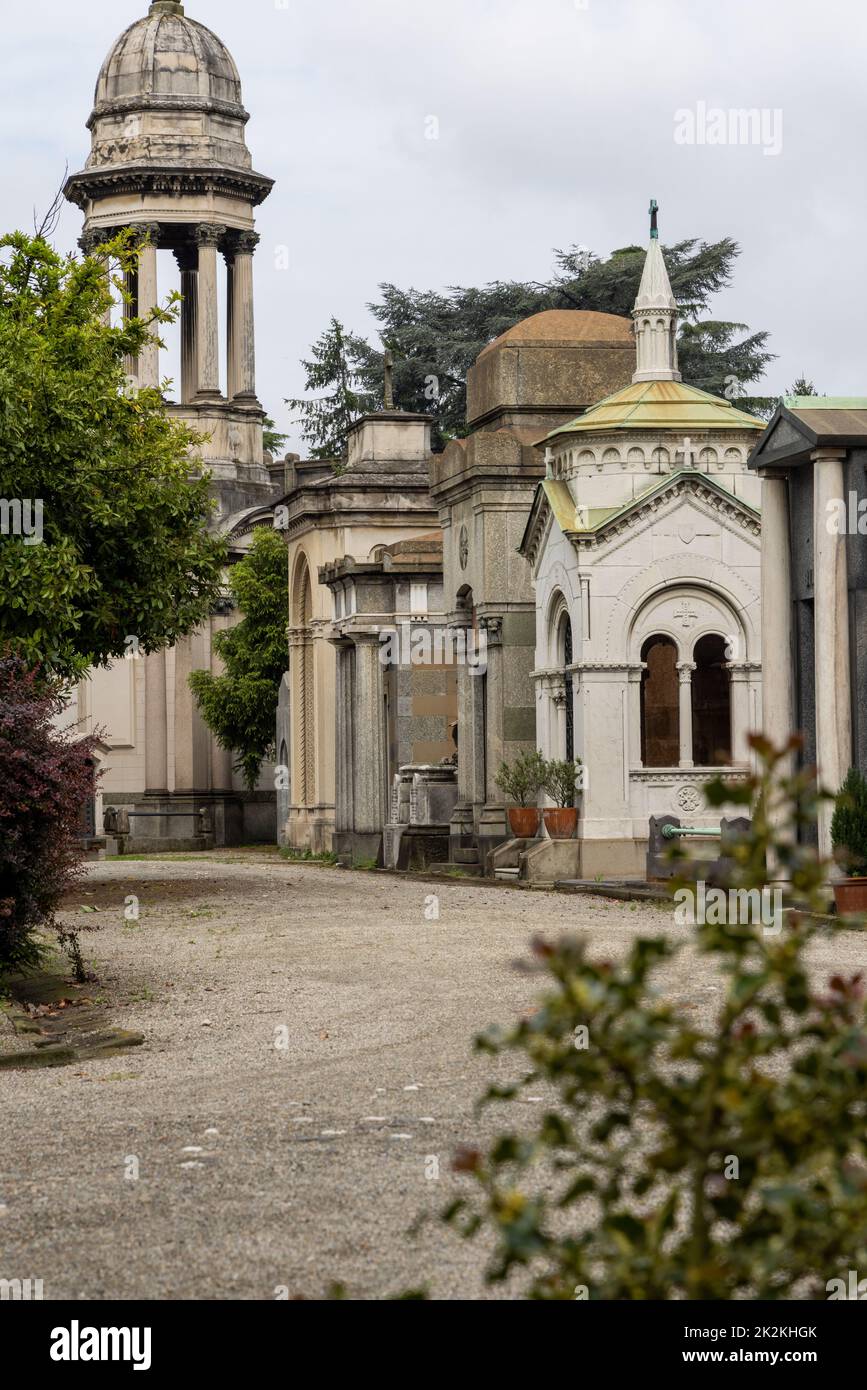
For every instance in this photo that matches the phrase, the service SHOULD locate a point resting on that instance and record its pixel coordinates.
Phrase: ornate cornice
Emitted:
(91, 185)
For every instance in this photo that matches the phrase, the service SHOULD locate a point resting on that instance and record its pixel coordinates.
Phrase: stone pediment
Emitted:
(608, 528)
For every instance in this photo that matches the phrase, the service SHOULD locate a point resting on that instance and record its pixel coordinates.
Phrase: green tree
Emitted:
(436, 337)
(335, 370)
(118, 546)
(240, 706)
(272, 439)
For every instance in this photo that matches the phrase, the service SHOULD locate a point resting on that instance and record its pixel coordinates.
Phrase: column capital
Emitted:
(685, 670)
(209, 234)
(146, 232)
(243, 243)
(186, 257)
(828, 455)
(493, 626)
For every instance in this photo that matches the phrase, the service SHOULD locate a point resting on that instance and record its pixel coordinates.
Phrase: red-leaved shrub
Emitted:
(45, 777)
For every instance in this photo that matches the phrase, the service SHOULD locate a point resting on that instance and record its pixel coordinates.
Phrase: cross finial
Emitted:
(654, 220)
(389, 380)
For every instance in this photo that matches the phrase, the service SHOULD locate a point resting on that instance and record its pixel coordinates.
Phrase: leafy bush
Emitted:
(849, 825)
(560, 781)
(521, 780)
(678, 1160)
(45, 777)
(240, 707)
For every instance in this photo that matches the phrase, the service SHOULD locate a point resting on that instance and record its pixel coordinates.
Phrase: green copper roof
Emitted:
(660, 405)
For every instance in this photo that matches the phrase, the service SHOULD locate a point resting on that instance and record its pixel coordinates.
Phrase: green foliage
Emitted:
(560, 780)
(849, 825)
(240, 706)
(521, 780)
(436, 337)
(125, 550)
(272, 440)
(335, 369)
(679, 1160)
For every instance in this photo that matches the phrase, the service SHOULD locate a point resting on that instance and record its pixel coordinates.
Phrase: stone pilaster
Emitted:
(371, 811)
(156, 716)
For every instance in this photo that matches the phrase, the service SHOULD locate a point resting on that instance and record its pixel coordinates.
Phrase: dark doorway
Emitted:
(567, 681)
(660, 710)
(711, 704)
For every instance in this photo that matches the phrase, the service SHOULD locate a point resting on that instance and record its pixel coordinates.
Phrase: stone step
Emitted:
(512, 874)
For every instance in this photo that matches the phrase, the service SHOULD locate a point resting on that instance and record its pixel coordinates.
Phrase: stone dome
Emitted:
(167, 59)
(565, 328)
(168, 98)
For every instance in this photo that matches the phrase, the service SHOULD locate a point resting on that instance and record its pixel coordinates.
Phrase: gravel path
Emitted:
(308, 1057)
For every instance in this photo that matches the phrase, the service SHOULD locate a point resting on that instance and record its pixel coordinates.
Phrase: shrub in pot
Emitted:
(849, 838)
(520, 781)
(560, 782)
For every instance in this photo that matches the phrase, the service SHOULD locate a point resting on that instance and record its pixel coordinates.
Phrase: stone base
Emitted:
(612, 859)
(357, 847)
(493, 831)
(310, 828)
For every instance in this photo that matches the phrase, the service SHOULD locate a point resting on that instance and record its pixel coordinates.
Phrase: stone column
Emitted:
(156, 725)
(778, 675)
(684, 671)
(231, 336)
(130, 311)
(148, 299)
(188, 264)
(242, 347)
(558, 695)
(208, 239)
(739, 679)
(89, 241)
(370, 809)
(831, 609)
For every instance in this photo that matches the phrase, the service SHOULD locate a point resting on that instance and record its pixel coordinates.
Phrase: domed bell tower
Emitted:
(169, 159)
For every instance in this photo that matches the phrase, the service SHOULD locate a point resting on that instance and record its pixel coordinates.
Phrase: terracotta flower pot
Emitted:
(524, 822)
(850, 895)
(561, 822)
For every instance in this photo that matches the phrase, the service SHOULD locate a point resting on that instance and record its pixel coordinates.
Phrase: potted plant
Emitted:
(520, 781)
(849, 838)
(561, 784)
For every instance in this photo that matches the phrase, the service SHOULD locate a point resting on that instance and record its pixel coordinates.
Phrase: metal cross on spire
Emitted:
(654, 219)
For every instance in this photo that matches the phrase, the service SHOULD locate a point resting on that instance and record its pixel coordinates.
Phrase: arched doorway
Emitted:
(711, 703)
(660, 713)
(566, 657)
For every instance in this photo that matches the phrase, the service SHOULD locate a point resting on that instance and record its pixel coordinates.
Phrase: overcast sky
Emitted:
(557, 123)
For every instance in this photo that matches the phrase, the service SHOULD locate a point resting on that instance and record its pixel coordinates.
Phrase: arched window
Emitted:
(660, 711)
(565, 651)
(711, 704)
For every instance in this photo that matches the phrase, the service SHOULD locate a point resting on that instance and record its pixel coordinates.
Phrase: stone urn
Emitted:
(524, 822)
(561, 822)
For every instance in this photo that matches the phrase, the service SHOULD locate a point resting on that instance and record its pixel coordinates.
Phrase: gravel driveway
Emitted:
(307, 1058)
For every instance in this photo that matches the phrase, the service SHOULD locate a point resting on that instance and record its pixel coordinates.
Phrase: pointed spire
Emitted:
(655, 315)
